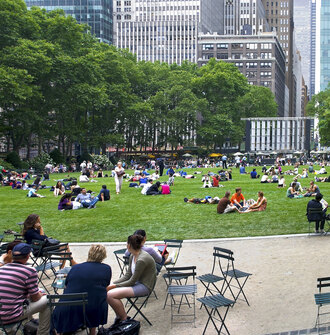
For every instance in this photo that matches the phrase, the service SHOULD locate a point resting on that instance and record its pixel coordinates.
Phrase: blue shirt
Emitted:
(253, 174)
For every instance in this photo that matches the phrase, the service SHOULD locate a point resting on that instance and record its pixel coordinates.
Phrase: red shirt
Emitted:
(238, 198)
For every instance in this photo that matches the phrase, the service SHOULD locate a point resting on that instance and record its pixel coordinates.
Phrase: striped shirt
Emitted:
(17, 282)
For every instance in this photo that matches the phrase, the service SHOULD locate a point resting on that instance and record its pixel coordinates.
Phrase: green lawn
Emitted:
(161, 216)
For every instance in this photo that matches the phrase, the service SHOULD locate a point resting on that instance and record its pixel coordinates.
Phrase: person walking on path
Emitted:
(119, 173)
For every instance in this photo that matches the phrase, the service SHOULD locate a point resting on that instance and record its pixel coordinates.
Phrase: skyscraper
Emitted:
(96, 13)
(312, 47)
(165, 30)
(280, 18)
(324, 44)
(302, 31)
(244, 17)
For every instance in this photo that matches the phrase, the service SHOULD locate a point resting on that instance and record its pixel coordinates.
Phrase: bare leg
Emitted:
(92, 331)
(114, 300)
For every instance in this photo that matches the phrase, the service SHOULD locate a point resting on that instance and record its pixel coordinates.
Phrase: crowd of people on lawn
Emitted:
(92, 276)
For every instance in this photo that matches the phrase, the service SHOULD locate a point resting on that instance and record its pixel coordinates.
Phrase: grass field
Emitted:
(162, 217)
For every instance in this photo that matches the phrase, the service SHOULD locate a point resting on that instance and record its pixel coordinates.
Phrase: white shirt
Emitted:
(264, 177)
(145, 188)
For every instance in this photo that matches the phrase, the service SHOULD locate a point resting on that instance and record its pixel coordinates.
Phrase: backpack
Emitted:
(127, 327)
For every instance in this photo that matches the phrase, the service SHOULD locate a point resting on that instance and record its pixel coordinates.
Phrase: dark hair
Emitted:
(261, 193)
(318, 196)
(293, 184)
(140, 232)
(29, 222)
(227, 194)
(66, 196)
(238, 189)
(10, 246)
(135, 241)
(74, 182)
(104, 187)
(158, 183)
(58, 185)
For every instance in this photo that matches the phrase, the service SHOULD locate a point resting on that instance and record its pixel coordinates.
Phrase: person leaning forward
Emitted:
(20, 295)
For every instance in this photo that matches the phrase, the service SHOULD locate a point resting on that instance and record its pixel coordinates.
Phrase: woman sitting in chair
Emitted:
(139, 279)
(33, 230)
(92, 277)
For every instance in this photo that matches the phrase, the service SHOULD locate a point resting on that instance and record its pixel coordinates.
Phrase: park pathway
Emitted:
(280, 291)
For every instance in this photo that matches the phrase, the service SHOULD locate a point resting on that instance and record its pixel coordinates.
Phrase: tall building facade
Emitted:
(302, 35)
(166, 31)
(244, 17)
(324, 44)
(312, 47)
(280, 18)
(96, 13)
(259, 57)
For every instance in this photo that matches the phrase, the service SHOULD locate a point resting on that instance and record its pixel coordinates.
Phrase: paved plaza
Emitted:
(280, 291)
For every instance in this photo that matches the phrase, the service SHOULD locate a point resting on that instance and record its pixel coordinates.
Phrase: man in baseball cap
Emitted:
(25, 280)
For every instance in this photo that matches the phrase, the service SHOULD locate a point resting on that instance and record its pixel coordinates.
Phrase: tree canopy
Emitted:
(59, 86)
(319, 106)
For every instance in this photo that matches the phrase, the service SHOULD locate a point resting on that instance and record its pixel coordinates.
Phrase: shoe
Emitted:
(185, 199)
(322, 231)
(317, 232)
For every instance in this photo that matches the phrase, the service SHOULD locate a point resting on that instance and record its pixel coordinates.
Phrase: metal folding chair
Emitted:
(173, 244)
(212, 305)
(138, 303)
(10, 328)
(186, 292)
(210, 280)
(233, 279)
(122, 260)
(321, 300)
(72, 299)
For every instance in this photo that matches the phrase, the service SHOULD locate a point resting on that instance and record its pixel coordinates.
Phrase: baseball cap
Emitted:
(21, 249)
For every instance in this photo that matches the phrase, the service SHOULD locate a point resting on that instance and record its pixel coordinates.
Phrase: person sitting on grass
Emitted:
(215, 181)
(265, 179)
(83, 178)
(65, 202)
(171, 179)
(139, 280)
(206, 181)
(86, 199)
(312, 190)
(165, 188)
(281, 182)
(225, 205)
(104, 194)
(298, 187)
(238, 199)
(33, 192)
(59, 189)
(259, 206)
(321, 171)
(100, 173)
(242, 170)
(254, 174)
(154, 189)
(291, 191)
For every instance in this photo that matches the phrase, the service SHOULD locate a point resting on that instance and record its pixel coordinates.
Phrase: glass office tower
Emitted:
(96, 13)
(324, 44)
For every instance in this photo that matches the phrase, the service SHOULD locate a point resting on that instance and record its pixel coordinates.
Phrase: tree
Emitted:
(319, 106)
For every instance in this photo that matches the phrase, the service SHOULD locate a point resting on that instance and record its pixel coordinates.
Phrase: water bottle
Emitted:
(60, 280)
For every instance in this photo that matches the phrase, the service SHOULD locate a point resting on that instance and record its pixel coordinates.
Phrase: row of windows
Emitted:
(163, 8)
(283, 4)
(237, 46)
(263, 55)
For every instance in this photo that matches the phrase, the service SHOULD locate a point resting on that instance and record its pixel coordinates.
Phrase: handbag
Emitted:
(50, 242)
(31, 327)
(127, 327)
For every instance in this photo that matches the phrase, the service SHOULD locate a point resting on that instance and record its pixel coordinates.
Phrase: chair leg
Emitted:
(138, 309)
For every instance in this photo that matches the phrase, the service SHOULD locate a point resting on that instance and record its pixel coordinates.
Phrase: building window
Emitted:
(251, 74)
(222, 46)
(237, 56)
(222, 56)
(265, 65)
(208, 46)
(266, 83)
(251, 55)
(252, 46)
(237, 46)
(266, 74)
(239, 65)
(251, 65)
(266, 46)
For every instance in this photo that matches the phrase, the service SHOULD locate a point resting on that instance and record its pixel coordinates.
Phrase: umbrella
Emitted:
(238, 154)
(322, 152)
(273, 153)
(186, 155)
(260, 153)
(215, 155)
(151, 156)
(297, 152)
(313, 152)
